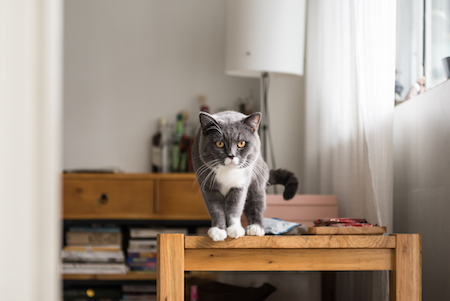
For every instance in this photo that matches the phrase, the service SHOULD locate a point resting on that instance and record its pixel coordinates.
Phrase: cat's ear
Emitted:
(253, 121)
(208, 123)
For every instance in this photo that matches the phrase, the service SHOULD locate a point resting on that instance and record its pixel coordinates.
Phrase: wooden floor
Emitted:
(400, 254)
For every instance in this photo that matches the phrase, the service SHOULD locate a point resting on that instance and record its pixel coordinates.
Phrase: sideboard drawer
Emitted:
(180, 199)
(108, 199)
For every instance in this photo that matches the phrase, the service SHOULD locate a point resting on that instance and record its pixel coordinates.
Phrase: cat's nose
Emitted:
(231, 157)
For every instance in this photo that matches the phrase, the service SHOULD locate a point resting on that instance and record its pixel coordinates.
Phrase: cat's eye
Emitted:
(241, 144)
(220, 144)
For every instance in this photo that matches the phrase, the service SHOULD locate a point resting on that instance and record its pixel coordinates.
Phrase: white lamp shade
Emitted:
(265, 36)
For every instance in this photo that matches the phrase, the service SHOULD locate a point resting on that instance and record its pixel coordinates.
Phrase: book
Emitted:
(134, 253)
(142, 264)
(141, 259)
(93, 238)
(92, 256)
(138, 288)
(94, 268)
(143, 269)
(94, 229)
(142, 244)
(153, 232)
(108, 248)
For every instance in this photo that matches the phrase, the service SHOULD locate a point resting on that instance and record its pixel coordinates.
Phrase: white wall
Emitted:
(286, 106)
(127, 63)
(422, 182)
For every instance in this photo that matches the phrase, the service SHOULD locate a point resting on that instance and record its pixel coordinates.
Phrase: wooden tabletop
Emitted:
(294, 242)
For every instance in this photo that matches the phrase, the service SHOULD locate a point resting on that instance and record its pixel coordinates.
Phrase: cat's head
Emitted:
(229, 139)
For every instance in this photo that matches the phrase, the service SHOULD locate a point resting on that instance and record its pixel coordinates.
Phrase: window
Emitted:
(437, 40)
(423, 40)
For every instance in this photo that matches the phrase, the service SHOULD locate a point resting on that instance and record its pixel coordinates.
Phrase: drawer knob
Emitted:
(103, 198)
(90, 293)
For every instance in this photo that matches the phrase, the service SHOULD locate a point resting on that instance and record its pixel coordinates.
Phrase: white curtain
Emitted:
(350, 75)
(30, 110)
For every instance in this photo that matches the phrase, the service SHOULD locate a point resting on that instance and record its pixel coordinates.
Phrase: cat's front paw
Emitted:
(255, 230)
(217, 234)
(235, 231)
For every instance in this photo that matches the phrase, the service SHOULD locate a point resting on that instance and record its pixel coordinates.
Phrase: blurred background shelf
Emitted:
(130, 276)
(125, 277)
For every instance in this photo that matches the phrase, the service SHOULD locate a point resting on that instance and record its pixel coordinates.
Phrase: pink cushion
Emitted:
(302, 209)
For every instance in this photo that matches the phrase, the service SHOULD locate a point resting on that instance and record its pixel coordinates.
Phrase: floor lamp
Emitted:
(263, 37)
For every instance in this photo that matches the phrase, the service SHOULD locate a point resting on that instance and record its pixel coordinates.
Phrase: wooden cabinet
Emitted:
(132, 196)
(131, 200)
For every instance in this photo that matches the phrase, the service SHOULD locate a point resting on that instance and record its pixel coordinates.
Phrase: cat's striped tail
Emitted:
(286, 178)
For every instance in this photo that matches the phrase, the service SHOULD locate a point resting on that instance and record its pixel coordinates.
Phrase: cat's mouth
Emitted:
(231, 162)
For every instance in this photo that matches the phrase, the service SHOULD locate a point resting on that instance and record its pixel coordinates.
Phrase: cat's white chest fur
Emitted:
(230, 178)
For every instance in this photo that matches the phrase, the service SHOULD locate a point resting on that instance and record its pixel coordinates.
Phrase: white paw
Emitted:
(235, 231)
(255, 230)
(217, 234)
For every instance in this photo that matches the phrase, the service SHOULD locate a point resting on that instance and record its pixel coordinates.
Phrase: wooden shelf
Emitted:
(128, 276)
(131, 276)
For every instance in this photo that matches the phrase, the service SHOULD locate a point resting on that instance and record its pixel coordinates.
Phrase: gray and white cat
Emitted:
(233, 175)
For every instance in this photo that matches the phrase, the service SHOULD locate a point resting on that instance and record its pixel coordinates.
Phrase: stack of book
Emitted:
(140, 292)
(142, 247)
(142, 255)
(93, 250)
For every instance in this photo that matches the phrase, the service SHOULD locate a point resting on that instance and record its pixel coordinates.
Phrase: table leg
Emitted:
(170, 267)
(406, 279)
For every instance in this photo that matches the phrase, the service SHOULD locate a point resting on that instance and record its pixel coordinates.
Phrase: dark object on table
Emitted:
(209, 290)
(342, 222)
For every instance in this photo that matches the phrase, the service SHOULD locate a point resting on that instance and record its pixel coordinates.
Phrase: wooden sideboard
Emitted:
(160, 200)
(132, 197)
(130, 200)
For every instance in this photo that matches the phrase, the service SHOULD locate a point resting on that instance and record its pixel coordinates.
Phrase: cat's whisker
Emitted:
(258, 174)
(204, 168)
(204, 183)
(206, 179)
(254, 170)
(212, 181)
(215, 175)
(205, 165)
(212, 166)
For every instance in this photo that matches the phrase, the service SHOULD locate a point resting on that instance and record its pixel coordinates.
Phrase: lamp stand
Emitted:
(267, 137)
(265, 125)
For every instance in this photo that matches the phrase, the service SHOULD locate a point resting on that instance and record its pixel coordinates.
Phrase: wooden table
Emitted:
(401, 254)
